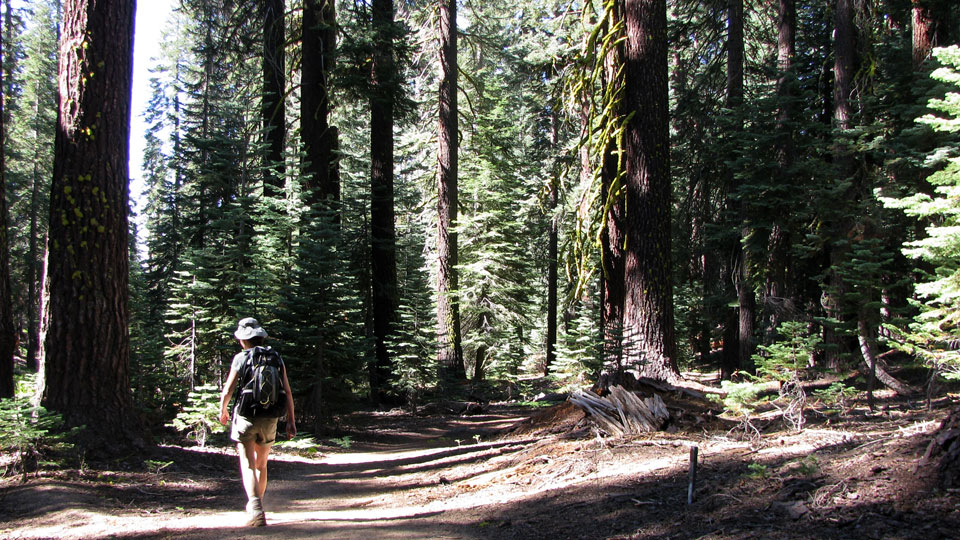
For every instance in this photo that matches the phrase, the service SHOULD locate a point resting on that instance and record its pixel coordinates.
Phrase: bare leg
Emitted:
(248, 469)
(253, 472)
(262, 452)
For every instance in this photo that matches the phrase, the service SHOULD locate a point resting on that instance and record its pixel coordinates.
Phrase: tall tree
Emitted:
(553, 240)
(450, 350)
(85, 352)
(745, 295)
(648, 307)
(383, 242)
(613, 237)
(35, 132)
(8, 333)
(779, 241)
(274, 82)
(319, 137)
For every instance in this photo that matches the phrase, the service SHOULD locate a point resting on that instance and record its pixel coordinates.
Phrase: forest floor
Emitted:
(523, 473)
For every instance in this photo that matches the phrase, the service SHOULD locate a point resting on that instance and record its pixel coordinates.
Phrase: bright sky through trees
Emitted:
(152, 16)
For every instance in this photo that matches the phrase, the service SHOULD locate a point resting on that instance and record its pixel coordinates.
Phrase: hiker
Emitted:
(254, 427)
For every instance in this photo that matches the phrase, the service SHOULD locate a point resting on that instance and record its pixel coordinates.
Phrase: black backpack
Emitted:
(262, 394)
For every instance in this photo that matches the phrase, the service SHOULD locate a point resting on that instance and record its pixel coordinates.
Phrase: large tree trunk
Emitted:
(319, 138)
(844, 69)
(845, 63)
(613, 234)
(85, 352)
(746, 299)
(274, 79)
(648, 306)
(382, 235)
(450, 350)
(8, 333)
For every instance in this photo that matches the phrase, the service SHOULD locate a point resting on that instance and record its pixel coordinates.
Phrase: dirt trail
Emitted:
(390, 483)
(450, 477)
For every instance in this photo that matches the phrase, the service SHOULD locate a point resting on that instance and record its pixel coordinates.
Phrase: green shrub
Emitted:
(837, 394)
(200, 417)
(30, 435)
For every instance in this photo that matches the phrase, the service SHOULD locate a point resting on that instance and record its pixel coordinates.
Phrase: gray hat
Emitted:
(249, 328)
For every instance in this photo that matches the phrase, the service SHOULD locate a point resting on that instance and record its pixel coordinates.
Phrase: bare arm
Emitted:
(291, 417)
(228, 388)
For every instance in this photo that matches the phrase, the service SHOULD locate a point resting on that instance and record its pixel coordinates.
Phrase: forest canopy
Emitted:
(424, 199)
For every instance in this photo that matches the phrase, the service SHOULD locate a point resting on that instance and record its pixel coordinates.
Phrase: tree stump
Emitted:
(621, 412)
(946, 446)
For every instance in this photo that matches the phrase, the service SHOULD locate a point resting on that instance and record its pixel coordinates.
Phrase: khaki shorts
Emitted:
(258, 430)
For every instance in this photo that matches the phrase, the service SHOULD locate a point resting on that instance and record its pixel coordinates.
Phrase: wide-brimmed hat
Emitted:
(249, 328)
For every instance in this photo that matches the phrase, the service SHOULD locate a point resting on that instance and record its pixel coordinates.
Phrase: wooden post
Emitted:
(693, 474)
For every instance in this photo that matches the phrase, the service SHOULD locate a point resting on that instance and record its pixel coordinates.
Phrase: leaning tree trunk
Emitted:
(450, 350)
(85, 350)
(648, 304)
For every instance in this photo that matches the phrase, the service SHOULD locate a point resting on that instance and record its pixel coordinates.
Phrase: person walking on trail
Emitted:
(263, 398)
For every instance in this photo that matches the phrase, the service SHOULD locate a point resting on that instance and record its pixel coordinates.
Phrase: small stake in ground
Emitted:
(693, 474)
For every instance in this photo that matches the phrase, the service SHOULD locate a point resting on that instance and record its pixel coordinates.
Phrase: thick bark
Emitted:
(8, 333)
(844, 65)
(382, 234)
(931, 27)
(85, 350)
(613, 269)
(613, 234)
(648, 303)
(746, 298)
(274, 81)
(450, 350)
(319, 138)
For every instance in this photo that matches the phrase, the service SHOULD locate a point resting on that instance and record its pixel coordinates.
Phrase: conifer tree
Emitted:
(85, 353)
(32, 132)
(933, 333)
(8, 334)
(319, 137)
(384, 89)
(273, 110)
(648, 308)
(450, 349)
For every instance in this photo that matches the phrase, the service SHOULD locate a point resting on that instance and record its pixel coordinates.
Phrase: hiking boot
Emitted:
(255, 512)
(257, 519)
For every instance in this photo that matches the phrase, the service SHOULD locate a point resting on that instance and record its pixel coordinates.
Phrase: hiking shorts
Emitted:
(258, 430)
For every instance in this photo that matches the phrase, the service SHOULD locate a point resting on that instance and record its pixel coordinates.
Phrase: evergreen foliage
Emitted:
(539, 118)
(200, 416)
(30, 435)
(933, 334)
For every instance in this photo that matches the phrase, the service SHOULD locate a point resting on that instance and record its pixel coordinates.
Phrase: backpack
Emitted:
(261, 390)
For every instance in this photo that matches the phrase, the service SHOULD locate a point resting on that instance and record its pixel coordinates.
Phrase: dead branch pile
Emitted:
(621, 412)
